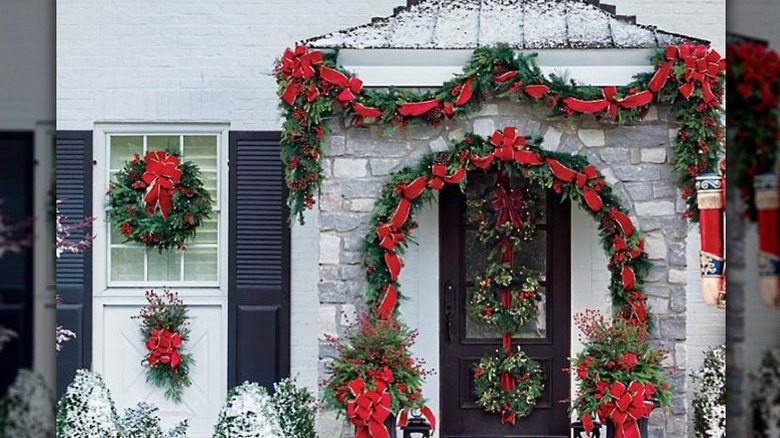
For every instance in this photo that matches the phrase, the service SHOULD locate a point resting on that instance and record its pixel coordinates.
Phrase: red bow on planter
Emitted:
(164, 348)
(702, 65)
(161, 176)
(369, 410)
(506, 143)
(508, 205)
(298, 65)
(609, 102)
(626, 407)
(350, 86)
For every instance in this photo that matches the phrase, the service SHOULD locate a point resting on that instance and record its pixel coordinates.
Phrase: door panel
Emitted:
(463, 342)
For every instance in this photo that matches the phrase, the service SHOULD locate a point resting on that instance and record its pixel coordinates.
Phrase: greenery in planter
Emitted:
(248, 412)
(765, 402)
(142, 421)
(27, 410)
(709, 400)
(619, 375)
(296, 408)
(87, 409)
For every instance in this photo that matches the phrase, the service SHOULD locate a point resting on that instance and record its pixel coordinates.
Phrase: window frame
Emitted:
(103, 285)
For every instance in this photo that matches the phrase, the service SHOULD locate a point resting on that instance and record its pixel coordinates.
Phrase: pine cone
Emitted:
(500, 69)
(441, 159)
(643, 111)
(434, 116)
(134, 175)
(607, 224)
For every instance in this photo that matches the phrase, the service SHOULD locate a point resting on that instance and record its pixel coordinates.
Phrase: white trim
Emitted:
(430, 68)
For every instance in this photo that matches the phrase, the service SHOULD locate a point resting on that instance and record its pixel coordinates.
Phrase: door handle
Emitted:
(449, 309)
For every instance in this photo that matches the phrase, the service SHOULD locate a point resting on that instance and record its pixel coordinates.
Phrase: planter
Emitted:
(390, 425)
(642, 428)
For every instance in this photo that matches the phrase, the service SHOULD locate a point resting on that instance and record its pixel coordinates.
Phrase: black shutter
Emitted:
(74, 271)
(16, 269)
(259, 285)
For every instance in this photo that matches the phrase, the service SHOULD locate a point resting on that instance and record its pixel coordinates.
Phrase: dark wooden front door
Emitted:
(463, 341)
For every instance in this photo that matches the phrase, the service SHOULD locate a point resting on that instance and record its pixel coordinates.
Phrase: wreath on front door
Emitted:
(509, 311)
(165, 330)
(159, 201)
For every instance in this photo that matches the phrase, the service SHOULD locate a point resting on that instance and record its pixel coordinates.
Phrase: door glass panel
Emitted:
(533, 253)
(164, 266)
(127, 264)
(200, 264)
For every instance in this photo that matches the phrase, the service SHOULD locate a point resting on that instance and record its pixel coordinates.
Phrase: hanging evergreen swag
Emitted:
(165, 330)
(159, 201)
(508, 383)
(688, 78)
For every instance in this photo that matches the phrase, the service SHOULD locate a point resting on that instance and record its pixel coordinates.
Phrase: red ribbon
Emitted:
(350, 86)
(164, 348)
(508, 416)
(702, 66)
(440, 176)
(387, 305)
(628, 278)
(760, 69)
(298, 65)
(388, 239)
(560, 171)
(508, 205)
(161, 176)
(609, 103)
(370, 409)
(418, 108)
(623, 221)
(425, 411)
(505, 77)
(366, 111)
(506, 142)
(536, 91)
(394, 264)
(592, 198)
(466, 91)
(481, 162)
(626, 407)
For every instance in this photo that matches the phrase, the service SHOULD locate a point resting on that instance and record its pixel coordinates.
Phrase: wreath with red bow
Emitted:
(158, 200)
(506, 298)
(165, 329)
(508, 383)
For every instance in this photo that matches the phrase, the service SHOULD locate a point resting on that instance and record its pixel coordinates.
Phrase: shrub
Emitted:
(248, 412)
(142, 421)
(296, 408)
(765, 402)
(709, 399)
(87, 409)
(27, 410)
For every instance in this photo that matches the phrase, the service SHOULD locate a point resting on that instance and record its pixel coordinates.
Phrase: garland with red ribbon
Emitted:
(159, 201)
(165, 330)
(687, 77)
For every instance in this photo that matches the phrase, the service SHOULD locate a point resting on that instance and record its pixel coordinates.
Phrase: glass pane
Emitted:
(533, 253)
(162, 143)
(201, 150)
(210, 184)
(207, 232)
(476, 329)
(476, 256)
(122, 149)
(200, 264)
(127, 264)
(165, 266)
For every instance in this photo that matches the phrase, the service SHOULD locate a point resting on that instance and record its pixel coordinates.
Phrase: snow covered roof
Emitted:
(522, 24)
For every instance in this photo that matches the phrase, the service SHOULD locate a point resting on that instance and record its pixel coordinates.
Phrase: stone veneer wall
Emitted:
(634, 159)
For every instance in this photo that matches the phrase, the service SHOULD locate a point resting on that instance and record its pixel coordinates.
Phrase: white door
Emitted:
(123, 272)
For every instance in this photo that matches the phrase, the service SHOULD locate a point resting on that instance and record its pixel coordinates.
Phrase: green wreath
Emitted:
(159, 201)
(485, 303)
(496, 372)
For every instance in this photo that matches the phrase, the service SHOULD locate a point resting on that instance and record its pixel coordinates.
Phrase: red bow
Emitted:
(298, 65)
(164, 348)
(626, 407)
(609, 102)
(440, 177)
(161, 176)
(388, 239)
(506, 143)
(350, 86)
(369, 410)
(702, 65)
(508, 205)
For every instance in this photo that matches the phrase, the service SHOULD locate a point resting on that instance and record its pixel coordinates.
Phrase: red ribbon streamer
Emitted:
(161, 176)
(623, 221)
(609, 103)
(536, 91)
(425, 411)
(366, 111)
(628, 278)
(440, 176)
(560, 171)
(418, 108)
(370, 409)
(163, 346)
(505, 77)
(466, 92)
(388, 303)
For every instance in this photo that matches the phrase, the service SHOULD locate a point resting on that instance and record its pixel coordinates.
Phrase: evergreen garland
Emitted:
(688, 78)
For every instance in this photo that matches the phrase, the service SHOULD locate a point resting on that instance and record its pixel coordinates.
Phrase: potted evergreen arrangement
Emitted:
(296, 408)
(87, 410)
(248, 411)
(619, 375)
(374, 378)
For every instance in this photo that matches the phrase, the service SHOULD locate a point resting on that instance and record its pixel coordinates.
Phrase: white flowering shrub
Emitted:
(248, 412)
(296, 408)
(709, 399)
(142, 421)
(28, 408)
(87, 409)
(765, 402)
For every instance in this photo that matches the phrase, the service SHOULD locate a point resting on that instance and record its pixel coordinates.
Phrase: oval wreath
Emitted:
(486, 303)
(508, 383)
(159, 201)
